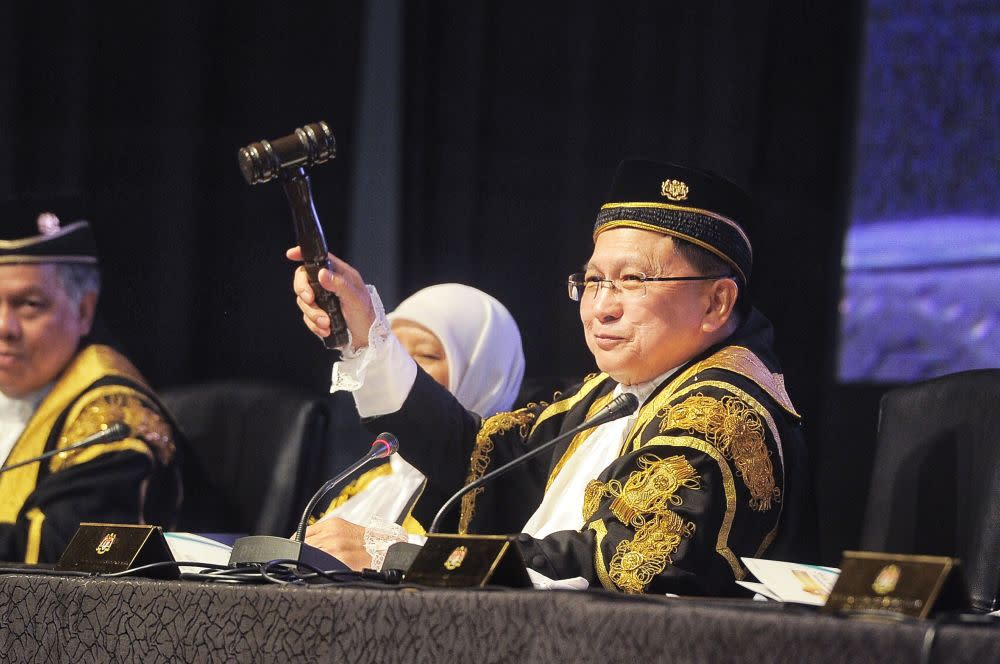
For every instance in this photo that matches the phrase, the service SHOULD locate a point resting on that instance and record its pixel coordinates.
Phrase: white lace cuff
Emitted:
(379, 536)
(379, 375)
(349, 372)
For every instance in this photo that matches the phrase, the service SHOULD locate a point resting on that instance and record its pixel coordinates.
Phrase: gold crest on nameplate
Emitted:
(105, 544)
(675, 190)
(886, 580)
(455, 558)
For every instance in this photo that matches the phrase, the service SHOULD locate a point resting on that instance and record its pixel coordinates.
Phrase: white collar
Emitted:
(22, 408)
(643, 390)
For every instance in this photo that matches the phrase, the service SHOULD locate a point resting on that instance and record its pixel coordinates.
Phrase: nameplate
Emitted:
(896, 586)
(469, 561)
(104, 548)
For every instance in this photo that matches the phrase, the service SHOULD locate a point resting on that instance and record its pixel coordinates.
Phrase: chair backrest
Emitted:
(254, 454)
(935, 486)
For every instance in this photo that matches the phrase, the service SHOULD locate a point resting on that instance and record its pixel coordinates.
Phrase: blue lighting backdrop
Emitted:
(921, 294)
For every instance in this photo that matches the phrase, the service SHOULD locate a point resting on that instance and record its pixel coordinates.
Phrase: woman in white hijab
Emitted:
(469, 343)
(483, 360)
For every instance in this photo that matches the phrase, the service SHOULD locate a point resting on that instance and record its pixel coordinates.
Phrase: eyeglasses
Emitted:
(631, 286)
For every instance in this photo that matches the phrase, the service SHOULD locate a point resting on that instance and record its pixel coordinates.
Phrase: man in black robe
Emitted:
(710, 469)
(56, 390)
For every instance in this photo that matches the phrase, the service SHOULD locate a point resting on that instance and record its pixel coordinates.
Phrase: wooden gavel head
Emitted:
(309, 145)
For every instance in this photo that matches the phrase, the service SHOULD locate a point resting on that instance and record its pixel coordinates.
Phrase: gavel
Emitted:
(285, 158)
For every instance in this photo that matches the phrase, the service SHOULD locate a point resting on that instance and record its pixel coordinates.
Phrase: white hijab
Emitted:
(480, 338)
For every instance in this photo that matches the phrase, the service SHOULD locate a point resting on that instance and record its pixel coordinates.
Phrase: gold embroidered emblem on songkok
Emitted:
(689, 204)
(675, 190)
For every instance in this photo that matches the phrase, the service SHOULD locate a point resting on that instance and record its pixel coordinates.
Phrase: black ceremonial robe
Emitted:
(134, 480)
(712, 470)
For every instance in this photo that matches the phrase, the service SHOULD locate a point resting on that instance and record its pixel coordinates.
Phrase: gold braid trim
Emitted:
(579, 438)
(729, 487)
(736, 359)
(36, 518)
(642, 502)
(734, 427)
(151, 435)
(90, 364)
(637, 561)
(480, 459)
(563, 405)
(649, 490)
(592, 495)
(600, 532)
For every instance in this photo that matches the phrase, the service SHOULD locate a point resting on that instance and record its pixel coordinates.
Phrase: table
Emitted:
(77, 620)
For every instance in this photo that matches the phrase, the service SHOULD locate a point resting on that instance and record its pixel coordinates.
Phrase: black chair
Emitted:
(254, 454)
(935, 487)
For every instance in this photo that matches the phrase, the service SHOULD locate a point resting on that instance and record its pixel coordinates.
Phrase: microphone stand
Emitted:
(116, 431)
(624, 404)
(496, 559)
(256, 549)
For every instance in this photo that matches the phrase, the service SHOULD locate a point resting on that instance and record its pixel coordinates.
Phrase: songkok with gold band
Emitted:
(47, 242)
(694, 205)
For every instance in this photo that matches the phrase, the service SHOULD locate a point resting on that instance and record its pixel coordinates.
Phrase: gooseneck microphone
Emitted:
(256, 549)
(621, 406)
(384, 446)
(113, 433)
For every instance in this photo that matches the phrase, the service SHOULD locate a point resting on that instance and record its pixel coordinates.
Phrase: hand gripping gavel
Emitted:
(285, 158)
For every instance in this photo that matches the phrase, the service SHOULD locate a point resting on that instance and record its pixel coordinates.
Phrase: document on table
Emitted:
(190, 547)
(791, 582)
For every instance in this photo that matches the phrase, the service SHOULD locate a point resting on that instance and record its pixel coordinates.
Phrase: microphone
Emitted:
(113, 433)
(622, 405)
(264, 548)
(385, 445)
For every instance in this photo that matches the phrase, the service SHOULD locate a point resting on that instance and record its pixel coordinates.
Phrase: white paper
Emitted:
(542, 582)
(387, 496)
(760, 589)
(793, 582)
(189, 547)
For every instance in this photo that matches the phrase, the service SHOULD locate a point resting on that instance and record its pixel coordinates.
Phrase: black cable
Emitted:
(927, 645)
(141, 568)
(279, 572)
(240, 579)
(931, 633)
(315, 571)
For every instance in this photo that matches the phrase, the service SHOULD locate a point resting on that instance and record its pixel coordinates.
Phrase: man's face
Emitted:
(40, 327)
(635, 339)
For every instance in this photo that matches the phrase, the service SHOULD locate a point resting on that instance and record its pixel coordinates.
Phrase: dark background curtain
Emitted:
(514, 116)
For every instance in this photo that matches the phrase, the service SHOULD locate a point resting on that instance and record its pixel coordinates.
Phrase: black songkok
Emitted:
(691, 204)
(48, 242)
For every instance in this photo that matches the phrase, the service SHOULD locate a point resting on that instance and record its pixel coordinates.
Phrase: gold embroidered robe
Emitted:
(134, 480)
(712, 470)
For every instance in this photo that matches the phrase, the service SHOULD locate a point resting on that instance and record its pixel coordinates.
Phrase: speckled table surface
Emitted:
(53, 619)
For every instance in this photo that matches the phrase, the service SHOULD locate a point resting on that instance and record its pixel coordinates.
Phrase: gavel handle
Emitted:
(309, 235)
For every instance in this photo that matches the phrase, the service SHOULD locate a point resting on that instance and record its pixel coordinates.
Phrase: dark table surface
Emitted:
(63, 619)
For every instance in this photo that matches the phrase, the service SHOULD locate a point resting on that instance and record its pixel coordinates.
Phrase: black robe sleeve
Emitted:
(451, 446)
(436, 435)
(698, 488)
(108, 489)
